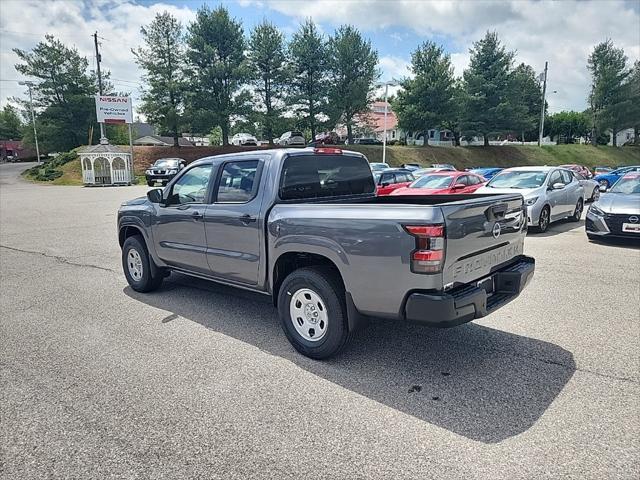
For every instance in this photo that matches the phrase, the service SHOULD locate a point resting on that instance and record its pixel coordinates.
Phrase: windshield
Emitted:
(379, 166)
(432, 181)
(166, 163)
(518, 179)
(627, 185)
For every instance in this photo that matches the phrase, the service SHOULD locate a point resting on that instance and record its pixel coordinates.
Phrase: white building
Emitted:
(622, 137)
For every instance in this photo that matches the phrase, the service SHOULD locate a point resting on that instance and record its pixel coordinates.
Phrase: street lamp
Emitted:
(386, 85)
(33, 117)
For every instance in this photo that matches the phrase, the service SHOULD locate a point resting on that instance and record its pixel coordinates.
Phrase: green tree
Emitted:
(609, 104)
(62, 95)
(525, 98)
(352, 67)
(162, 60)
(266, 56)
(217, 63)
(307, 54)
(631, 92)
(488, 108)
(427, 100)
(10, 124)
(453, 120)
(567, 126)
(215, 136)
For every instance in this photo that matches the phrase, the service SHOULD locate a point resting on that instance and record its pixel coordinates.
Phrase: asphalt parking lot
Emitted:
(197, 380)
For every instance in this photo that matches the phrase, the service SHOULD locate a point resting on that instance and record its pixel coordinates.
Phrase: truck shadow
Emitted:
(478, 382)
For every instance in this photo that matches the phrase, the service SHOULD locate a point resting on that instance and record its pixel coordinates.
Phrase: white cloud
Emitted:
(393, 68)
(117, 22)
(562, 33)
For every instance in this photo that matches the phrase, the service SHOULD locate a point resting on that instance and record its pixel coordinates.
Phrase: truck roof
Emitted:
(279, 153)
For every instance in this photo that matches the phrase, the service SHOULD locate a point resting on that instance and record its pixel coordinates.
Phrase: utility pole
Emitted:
(33, 117)
(103, 137)
(386, 85)
(544, 92)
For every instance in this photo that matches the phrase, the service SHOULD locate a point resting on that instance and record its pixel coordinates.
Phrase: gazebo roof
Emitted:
(101, 148)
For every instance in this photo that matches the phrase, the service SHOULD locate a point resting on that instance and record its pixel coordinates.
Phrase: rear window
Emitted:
(296, 134)
(325, 176)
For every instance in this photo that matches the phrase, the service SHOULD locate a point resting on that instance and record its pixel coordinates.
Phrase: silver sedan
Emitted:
(617, 212)
(551, 193)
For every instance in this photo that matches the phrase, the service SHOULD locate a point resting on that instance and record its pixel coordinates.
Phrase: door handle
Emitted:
(196, 215)
(246, 219)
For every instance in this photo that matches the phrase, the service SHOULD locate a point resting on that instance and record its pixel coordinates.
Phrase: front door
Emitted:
(557, 198)
(178, 229)
(234, 224)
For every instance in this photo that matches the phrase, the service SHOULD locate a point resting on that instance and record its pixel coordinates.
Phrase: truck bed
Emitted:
(368, 234)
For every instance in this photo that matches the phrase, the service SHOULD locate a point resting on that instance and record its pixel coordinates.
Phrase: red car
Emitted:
(392, 178)
(439, 183)
(584, 171)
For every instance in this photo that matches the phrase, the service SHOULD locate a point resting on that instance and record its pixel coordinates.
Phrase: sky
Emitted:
(560, 32)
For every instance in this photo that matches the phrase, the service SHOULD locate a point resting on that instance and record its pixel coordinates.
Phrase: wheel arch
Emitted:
(127, 231)
(288, 262)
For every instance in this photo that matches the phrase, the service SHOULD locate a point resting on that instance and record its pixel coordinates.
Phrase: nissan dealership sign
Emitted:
(110, 109)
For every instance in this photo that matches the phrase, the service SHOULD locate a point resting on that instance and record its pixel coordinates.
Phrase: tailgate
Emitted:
(482, 234)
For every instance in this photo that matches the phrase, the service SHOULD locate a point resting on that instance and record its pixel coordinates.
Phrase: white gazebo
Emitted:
(105, 164)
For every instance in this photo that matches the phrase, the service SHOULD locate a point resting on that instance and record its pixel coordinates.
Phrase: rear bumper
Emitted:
(472, 301)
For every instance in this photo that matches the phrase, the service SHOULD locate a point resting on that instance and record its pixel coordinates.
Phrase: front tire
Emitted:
(150, 184)
(544, 220)
(141, 275)
(577, 213)
(313, 312)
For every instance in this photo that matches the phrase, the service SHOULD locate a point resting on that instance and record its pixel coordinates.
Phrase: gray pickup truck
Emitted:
(306, 227)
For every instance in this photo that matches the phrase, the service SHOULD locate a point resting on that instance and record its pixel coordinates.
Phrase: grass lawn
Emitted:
(505, 156)
(461, 157)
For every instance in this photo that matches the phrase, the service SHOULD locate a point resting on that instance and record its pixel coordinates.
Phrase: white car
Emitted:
(244, 140)
(591, 187)
(550, 193)
(379, 166)
(291, 139)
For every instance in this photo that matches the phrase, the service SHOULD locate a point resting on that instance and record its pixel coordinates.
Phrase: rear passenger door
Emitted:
(573, 191)
(233, 222)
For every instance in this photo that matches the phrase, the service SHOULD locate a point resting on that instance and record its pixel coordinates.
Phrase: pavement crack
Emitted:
(549, 361)
(60, 259)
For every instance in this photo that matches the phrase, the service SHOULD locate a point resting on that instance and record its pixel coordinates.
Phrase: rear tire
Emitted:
(577, 213)
(141, 275)
(319, 298)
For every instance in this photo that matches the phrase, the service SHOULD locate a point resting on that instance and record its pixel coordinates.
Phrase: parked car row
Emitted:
(550, 193)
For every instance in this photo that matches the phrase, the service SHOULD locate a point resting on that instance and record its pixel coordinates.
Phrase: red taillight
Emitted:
(426, 230)
(328, 151)
(428, 256)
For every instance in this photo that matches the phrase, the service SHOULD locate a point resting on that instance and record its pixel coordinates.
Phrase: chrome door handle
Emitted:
(246, 219)
(196, 215)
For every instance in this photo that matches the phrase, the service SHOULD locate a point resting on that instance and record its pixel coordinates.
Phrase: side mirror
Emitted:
(557, 186)
(385, 184)
(155, 195)
(603, 188)
(459, 186)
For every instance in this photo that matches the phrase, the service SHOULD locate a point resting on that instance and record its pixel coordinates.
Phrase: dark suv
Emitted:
(163, 170)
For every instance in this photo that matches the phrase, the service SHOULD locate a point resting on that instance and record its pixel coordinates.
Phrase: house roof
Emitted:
(377, 117)
(161, 141)
(101, 148)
